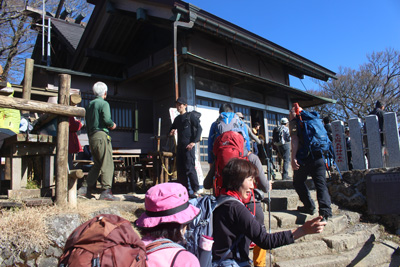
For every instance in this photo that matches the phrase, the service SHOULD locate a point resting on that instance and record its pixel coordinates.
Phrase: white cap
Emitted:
(284, 120)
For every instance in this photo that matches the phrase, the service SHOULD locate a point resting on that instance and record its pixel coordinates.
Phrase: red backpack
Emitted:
(228, 145)
(105, 240)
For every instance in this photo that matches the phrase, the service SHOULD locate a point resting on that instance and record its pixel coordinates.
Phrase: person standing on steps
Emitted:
(188, 136)
(328, 127)
(99, 124)
(313, 165)
(284, 148)
(378, 111)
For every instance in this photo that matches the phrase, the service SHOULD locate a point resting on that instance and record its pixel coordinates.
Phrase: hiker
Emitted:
(253, 137)
(75, 125)
(283, 147)
(164, 223)
(328, 127)
(186, 124)
(74, 146)
(313, 164)
(378, 111)
(348, 148)
(9, 118)
(99, 123)
(234, 224)
(254, 132)
(229, 121)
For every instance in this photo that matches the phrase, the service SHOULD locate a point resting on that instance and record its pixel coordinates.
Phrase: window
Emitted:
(204, 149)
(209, 102)
(124, 112)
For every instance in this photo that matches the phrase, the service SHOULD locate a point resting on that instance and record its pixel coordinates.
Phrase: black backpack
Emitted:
(196, 116)
(277, 135)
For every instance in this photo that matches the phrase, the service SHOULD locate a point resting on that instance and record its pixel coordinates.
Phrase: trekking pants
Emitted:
(185, 166)
(101, 148)
(284, 150)
(314, 166)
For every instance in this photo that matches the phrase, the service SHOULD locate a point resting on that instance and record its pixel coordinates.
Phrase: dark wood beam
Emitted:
(92, 53)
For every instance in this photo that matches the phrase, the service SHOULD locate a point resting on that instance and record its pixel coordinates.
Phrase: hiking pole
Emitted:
(269, 205)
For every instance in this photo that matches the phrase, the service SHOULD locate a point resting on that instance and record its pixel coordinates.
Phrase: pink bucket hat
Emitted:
(167, 203)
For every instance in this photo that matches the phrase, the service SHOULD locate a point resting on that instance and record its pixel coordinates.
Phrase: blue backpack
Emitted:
(314, 136)
(202, 225)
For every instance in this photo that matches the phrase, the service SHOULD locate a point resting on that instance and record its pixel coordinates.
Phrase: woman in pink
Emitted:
(164, 223)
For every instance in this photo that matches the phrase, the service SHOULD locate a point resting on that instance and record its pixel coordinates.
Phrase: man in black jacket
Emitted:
(188, 136)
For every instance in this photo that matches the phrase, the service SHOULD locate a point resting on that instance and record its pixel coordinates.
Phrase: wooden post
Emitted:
(62, 142)
(166, 164)
(72, 186)
(26, 90)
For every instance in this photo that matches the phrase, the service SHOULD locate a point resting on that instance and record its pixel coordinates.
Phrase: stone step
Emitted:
(292, 218)
(334, 243)
(370, 254)
(352, 239)
(286, 199)
(288, 184)
(336, 224)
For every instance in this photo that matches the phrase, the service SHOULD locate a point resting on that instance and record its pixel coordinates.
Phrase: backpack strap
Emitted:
(234, 245)
(176, 256)
(164, 243)
(160, 244)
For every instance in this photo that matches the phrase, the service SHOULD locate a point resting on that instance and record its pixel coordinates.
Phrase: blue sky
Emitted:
(330, 33)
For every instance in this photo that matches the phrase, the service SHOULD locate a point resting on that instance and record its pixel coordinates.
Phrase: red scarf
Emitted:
(236, 195)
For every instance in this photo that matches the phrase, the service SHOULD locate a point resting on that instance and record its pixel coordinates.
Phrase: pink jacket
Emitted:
(164, 257)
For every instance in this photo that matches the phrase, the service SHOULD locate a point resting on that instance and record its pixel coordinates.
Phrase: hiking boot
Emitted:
(107, 195)
(325, 218)
(310, 211)
(85, 192)
(82, 191)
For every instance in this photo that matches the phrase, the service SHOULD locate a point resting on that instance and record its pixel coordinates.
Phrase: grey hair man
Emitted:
(99, 124)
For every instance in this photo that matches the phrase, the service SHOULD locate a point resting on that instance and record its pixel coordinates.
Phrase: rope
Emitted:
(162, 161)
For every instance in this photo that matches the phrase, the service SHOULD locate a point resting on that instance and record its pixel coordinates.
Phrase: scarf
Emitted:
(236, 195)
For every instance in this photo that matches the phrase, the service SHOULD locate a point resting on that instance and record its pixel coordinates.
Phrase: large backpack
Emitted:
(314, 136)
(202, 226)
(227, 146)
(277, 135)
(105, 240)
(196, 115)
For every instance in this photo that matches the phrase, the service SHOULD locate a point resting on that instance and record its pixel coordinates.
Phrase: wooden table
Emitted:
(17, 148)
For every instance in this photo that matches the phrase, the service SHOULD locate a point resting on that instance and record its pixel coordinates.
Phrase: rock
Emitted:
(31, 263)
(61, 226)
(53, 251)
(109, 210)
(30, 253)
(47, 262)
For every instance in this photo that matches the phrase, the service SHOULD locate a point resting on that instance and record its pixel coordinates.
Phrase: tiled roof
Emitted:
(72, 32)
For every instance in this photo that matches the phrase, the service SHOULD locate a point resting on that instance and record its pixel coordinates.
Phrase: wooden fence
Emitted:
(63, 110)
